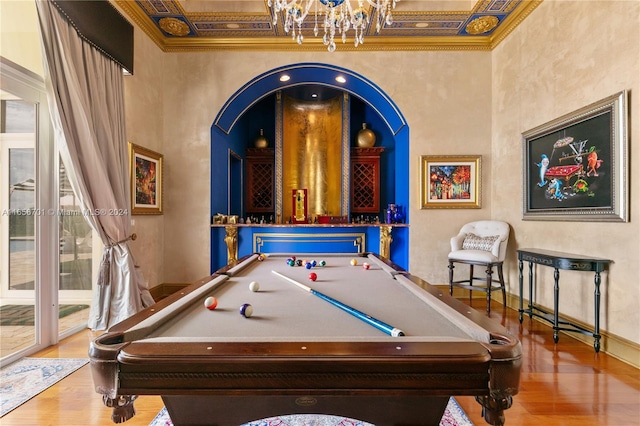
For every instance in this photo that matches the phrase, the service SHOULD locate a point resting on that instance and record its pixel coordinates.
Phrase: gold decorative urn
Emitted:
(366, 137)
(261, 141)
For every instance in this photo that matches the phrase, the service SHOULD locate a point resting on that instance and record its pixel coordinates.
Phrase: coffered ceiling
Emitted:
(200, 25)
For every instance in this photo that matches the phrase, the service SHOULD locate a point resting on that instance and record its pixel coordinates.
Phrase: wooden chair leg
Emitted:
(489, 271)
(451, 277)
(470, 281)
(501, 278)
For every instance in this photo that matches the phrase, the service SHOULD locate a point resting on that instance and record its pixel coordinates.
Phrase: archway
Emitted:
(310, 73)
(266, 85)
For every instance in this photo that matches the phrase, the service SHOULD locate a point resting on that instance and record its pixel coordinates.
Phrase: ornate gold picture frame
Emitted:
(450, 182)
(145, 168)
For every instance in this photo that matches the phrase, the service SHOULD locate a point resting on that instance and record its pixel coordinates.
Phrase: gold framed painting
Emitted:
(145, 168)
(450, 181)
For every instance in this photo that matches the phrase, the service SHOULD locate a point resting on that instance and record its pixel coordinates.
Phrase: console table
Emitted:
(567, 261)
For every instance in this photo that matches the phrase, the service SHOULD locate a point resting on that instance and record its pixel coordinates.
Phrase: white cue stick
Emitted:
(390, 330)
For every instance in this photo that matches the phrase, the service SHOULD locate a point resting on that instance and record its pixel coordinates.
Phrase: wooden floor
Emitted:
(562, 384)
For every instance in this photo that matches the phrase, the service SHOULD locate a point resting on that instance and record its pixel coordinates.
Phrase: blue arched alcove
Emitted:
(232, 131)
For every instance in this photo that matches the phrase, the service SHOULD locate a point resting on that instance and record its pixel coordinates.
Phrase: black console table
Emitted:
(567, 261)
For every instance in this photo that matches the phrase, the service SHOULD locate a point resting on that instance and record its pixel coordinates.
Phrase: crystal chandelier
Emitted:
(335, 16)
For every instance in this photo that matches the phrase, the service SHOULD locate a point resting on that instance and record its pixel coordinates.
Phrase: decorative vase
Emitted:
(398, 216)
(391, 211)
(366, 137)
(261, 141)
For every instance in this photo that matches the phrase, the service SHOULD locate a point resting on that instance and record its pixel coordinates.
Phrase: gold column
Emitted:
(385, 241)
(231, 240)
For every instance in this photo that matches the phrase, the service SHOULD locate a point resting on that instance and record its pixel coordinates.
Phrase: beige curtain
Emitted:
(85, 96)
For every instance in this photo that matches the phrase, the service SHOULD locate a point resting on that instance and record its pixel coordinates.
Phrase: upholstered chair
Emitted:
(481, 243)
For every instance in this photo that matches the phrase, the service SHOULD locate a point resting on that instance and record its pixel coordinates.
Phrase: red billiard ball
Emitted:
(313, 276)
(365, 265)
(210, 303)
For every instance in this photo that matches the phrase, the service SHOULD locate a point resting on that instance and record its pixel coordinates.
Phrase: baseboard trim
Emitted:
(616, 346)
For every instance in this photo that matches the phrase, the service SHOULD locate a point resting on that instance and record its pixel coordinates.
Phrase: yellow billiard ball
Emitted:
(354, 262)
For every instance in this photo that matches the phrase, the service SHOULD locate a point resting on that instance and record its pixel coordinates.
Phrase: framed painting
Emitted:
(450, 181)
(145, 167)
(575, 167)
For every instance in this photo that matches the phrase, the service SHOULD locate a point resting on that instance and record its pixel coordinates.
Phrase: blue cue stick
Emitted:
(390, 330)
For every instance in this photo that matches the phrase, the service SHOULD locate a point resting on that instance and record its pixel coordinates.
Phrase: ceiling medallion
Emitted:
(482, 25)
(174, 26)
(336, 16)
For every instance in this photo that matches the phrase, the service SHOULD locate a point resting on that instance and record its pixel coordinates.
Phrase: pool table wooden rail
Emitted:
(234, 373)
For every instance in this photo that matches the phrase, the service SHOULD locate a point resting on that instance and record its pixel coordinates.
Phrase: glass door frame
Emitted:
(30, 87)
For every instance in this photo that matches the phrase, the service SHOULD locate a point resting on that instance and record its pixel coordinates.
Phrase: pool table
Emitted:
(299, 353)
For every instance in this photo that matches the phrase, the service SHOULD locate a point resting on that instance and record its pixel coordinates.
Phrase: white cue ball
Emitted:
(254, 286)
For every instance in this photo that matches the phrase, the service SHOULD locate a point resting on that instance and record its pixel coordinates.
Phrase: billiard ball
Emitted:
(299, 262)
(246, 310)
(254, 286)
(365, 265)
(323, 263)
(313, 276)
(293, 257)
(261, 257)
(291, 262)
(210, 303)
(314, 263)
(308, 265)
(354, 262)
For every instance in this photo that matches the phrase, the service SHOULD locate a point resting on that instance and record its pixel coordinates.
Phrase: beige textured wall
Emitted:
(19, 36)
(144, 98)
(566, 55)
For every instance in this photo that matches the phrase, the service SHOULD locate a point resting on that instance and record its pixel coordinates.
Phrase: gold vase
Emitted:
(366, 137)
(261, 141)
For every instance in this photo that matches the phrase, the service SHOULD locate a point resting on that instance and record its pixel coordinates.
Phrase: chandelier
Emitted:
(335, 16)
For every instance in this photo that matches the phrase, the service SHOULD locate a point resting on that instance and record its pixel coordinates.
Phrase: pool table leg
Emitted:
(122, 405)
(493, 409)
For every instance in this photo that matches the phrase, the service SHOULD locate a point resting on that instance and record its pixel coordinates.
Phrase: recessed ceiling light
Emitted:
(341, 79)
(314, 95)
(285, 77)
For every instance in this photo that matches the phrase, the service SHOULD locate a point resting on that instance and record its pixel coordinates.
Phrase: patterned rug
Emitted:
(22, 380)
(23, 314)
(453, 416)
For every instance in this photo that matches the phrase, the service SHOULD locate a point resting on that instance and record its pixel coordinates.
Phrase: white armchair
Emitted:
(481, 243)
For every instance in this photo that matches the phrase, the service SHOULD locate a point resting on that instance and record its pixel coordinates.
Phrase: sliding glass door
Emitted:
(46, 248)
(18, 133)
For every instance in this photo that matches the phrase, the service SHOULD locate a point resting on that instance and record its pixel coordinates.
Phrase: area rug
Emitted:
(453, 416)
(22, 380)
(23, 314)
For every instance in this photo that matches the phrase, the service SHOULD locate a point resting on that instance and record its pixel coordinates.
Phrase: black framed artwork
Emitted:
(575, 167)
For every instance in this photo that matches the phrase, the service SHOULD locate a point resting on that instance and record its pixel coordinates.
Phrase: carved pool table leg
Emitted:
(123, 408)
(493, 409)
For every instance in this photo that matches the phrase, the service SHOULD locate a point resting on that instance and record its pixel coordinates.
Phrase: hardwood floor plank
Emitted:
(564, 384)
